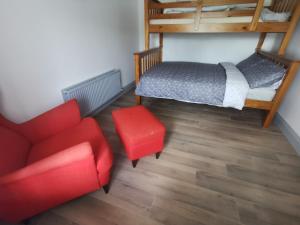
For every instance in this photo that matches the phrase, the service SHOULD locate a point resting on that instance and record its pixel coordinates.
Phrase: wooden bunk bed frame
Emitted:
(154, 10)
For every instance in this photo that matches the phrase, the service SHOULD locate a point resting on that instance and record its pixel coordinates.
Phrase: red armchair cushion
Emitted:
(14, 150)
(140, 131)
(85, 131)
(47, 183)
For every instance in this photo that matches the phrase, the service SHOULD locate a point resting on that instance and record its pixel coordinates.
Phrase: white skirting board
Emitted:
(288, 132)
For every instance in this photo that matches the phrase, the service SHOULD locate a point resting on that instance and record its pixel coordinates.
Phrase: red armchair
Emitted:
(49, 160)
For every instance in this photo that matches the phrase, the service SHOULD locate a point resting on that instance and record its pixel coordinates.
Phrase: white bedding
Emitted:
(238, 90)
(261, 94)
(238, 19)
(237, 87)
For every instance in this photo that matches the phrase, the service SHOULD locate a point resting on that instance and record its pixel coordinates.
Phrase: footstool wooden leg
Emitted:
(158, 155)
(134, 163)
(106, 188)
(26, 222)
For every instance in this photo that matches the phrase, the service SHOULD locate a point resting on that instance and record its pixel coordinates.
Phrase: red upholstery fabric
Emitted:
(47, 183)
(14, 150)
(86, 131)
(104, 159)
(68, 158)
(140, 131)
(47, 124)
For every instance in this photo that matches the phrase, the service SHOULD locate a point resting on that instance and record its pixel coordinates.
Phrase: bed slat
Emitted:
(193, 4)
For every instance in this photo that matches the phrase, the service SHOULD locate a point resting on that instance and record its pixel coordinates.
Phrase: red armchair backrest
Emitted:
(14, 150)
(8, 124)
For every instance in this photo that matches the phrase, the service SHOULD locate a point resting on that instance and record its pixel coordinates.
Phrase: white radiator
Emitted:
(94, 94)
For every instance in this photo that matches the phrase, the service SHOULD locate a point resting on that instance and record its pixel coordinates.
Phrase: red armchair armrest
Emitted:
(104, 161)
(59, 159)
(49, 123)
(47, 183)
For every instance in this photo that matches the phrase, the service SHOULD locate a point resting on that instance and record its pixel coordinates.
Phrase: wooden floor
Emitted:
(218, 167)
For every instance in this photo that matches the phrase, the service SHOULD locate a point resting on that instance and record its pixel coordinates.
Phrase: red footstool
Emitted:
(140, 131)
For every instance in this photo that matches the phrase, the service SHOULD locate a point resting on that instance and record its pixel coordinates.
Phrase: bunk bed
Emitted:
(221, 16)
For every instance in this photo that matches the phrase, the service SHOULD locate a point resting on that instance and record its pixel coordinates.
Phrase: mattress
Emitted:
(238, 19)
(267, 3)
(200, 83)
(261, 94)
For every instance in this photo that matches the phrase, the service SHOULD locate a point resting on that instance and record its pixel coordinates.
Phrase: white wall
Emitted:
(47, 45)
(211, 48)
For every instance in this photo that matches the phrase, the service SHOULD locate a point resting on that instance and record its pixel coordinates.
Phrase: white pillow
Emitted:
(268, 15)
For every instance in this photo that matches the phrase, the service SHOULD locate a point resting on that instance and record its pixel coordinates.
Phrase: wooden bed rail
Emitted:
(144, 61)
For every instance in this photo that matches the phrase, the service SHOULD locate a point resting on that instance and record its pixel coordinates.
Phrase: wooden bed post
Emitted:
(290, 31)
(161, 45)
(281, 93)
(137, 58)
(147, 33)
(137, 63)
(261, 41)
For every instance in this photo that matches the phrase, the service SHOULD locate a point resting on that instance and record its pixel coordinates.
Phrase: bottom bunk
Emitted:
(257, 82)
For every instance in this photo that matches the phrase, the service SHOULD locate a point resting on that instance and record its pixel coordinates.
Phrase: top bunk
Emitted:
(220, 16)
